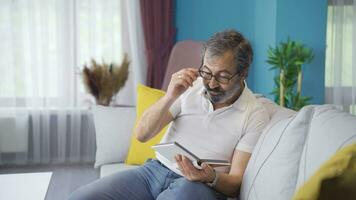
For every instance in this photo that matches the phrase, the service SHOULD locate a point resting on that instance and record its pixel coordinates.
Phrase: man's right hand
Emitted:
(158, 116)
(181, 81)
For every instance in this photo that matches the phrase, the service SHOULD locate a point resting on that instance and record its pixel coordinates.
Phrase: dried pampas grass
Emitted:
(104, 80)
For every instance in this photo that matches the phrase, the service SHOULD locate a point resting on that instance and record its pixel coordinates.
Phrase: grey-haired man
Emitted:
(212, 113)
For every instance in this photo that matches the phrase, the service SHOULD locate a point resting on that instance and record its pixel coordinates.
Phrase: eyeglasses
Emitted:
(218, 77)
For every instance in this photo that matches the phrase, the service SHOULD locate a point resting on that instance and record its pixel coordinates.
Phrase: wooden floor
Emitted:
(65, 178)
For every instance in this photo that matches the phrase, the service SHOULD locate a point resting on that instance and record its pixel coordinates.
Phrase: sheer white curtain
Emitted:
(133, 44)
(340, 71)
(43, 105)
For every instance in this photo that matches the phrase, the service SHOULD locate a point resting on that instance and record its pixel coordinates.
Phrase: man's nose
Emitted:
(213, 83)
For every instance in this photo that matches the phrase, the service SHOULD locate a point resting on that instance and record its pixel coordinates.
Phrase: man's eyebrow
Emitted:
(222, 71)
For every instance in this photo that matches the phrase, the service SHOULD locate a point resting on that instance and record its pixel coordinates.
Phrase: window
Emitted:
(340, 71)
(46, 43)
(346, 46)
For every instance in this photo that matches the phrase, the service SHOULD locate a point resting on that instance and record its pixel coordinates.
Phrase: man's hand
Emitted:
(181, 81)
(205, 175)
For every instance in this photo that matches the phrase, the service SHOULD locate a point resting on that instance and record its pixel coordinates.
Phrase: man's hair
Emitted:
(233, 41)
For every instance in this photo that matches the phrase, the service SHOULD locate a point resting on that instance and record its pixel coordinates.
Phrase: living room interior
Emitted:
(77, 74)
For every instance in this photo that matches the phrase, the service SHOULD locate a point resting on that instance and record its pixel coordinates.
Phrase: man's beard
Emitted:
(218, 95)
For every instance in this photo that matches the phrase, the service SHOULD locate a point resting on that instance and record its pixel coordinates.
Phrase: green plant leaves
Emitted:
(289, 56)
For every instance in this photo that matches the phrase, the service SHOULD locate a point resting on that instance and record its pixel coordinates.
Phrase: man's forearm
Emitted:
(154, 119)
(228, 185)
(157, 116)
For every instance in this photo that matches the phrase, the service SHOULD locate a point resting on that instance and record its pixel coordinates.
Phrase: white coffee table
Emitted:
(29, 186)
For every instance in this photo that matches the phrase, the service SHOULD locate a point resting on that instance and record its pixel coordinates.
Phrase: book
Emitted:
(170, 150)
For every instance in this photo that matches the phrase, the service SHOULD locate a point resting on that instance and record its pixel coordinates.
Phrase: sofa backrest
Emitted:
(275, 112)
(291, 149)
(331, 130)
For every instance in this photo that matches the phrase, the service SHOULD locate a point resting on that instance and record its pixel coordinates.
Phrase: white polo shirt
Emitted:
(214, 134)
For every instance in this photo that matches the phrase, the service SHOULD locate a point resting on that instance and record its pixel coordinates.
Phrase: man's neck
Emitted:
(231, 100)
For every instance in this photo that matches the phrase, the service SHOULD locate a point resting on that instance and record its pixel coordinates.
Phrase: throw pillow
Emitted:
(336, 179)
(113, 126)
(272, 170)
(140, 152)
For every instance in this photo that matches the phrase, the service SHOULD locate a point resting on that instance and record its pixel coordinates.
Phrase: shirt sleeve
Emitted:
(256, 123)
(175, 108)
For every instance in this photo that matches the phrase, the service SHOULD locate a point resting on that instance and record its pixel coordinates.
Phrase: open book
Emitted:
(170, 150)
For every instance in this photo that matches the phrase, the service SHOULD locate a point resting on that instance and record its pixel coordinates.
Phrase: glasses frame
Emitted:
(200, 71)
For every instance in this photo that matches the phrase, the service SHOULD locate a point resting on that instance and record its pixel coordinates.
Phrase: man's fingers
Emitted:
(207, 168)
(188, 164)
(185, 169)
(188, 171)
(194, 70)
(179, 163)
(190, 74)
(177, 157)
(193, 73)
(183, 82)
(187, 76)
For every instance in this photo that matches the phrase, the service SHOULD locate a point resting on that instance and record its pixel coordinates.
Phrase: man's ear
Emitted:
(243, 75)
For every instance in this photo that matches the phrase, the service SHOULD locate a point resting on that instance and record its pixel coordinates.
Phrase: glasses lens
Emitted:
(222, 79)
(205, 75)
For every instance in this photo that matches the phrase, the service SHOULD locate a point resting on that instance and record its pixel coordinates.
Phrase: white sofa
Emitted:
(289, 151)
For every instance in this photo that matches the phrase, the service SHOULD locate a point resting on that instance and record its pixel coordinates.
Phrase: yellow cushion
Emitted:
(140, 152)
(335, 179)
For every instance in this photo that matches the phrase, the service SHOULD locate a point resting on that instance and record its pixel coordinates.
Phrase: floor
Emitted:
(65, 178)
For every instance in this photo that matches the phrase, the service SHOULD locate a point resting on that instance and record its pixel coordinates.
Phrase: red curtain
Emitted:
(159, 32)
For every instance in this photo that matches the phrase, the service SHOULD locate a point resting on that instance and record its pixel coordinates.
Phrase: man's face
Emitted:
(223, 67)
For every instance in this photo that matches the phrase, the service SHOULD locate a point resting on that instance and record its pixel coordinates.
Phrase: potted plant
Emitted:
(288, 58)
(104, 80)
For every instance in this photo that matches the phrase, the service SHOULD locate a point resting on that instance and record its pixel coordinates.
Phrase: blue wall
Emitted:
(264, 23)
(199, 19)
(305, 21)
(264, 35)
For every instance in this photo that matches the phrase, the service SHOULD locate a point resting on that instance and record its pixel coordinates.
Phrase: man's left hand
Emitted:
(206, 174)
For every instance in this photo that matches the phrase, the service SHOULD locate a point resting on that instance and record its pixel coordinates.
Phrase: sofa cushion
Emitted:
(312, 135)
(272, 170)
(113, 126)
(330, 130)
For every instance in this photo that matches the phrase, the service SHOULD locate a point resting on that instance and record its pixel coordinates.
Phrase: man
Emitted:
(213, 114)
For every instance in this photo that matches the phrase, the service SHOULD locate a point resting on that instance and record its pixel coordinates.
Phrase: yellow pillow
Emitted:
(140, 152)
(335, 179)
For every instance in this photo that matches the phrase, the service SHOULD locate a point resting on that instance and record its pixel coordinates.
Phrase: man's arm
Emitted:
(158, 116)
(229, 184)
(154, 119)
